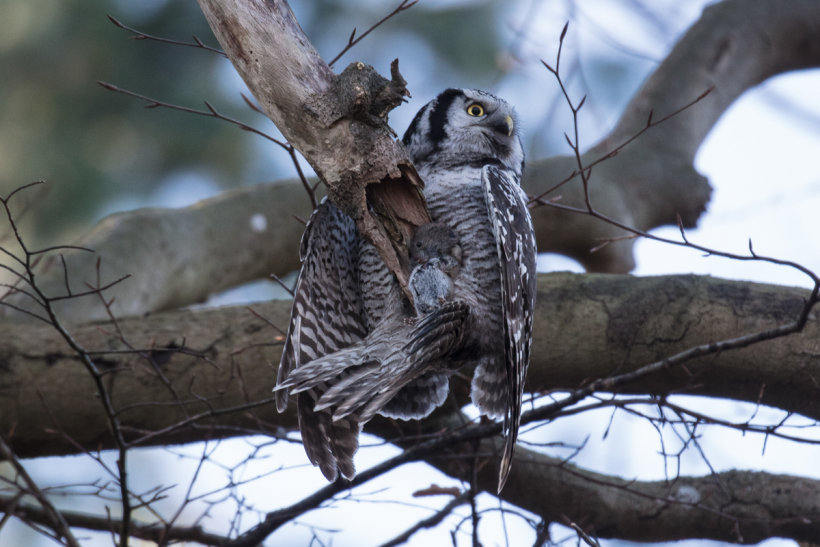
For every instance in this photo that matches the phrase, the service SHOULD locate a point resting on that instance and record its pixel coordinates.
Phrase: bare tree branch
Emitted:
(344, 136)
(49, 514)
(735, 506)
(353, 40)
(734, 46)
(141, 530)
(139, 35)
(586, 327)
(431, 521)
(253, 227)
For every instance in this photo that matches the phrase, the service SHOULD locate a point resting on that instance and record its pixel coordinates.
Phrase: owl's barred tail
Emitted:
(372, 386)
(327, 370)
(340, 392)
(329, 444)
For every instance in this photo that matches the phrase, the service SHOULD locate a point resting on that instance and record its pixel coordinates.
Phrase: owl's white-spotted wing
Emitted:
(515, 243)
(327, 315)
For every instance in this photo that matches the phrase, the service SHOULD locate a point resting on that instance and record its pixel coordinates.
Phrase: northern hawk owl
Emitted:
(356, 346)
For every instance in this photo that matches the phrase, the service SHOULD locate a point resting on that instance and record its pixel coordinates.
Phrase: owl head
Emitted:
(465, 127)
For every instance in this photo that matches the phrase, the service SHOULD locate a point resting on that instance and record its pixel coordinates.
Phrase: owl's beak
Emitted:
(510, 125)
(504, 125)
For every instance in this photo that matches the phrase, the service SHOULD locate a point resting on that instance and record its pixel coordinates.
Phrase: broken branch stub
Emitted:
(337, 122)
(383, 196)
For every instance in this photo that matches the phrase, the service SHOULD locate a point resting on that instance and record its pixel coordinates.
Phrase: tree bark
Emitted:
(337, 122)
(586, 327)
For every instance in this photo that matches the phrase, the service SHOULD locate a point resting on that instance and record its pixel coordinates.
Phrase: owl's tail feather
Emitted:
(370, 388)
(507, 456)
(512, 421)
(326, 371)
(341, 391)
(329, 444)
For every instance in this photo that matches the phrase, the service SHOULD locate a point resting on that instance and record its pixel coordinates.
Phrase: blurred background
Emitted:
(103, 152)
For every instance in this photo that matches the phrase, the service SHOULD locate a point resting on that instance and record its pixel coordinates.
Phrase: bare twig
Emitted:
(140, 530)
(51, 515)
(592, 542)
(353, 40)
(49, 314)
(212, 112)
(584, 171)
(139, 35)
(431, 521)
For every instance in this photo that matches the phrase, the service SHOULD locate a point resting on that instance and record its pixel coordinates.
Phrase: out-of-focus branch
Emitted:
(355, 39)
(734, 46)
(139, 35)
(151, 532)
(178, 256)
(49, 515)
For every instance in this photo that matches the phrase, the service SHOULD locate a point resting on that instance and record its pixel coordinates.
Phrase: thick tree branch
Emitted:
(338, 122)
(734, 46)
(202, 375)
(587, 327)
(178, 256)
(734, 506)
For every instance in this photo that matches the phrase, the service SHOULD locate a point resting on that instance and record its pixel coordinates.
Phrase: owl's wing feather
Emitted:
(327, 315)
(515, 243)
(368, 375)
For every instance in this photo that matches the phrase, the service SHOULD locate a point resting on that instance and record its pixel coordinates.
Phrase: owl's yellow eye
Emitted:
(476, 110)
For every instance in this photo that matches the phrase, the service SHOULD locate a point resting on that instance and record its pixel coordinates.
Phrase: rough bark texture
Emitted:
(581, 318)
(587, 326)
(338, 122)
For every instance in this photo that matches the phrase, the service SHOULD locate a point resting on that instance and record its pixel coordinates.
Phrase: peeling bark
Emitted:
(338, 122)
